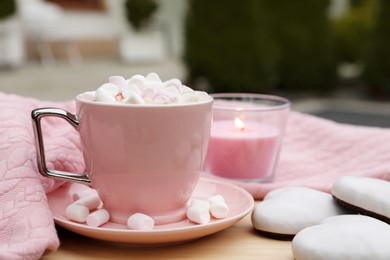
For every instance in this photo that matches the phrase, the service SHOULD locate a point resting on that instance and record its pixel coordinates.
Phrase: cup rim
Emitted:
(105, 104)
(280, 102)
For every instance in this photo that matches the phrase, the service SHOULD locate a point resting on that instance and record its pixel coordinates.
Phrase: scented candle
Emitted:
(246, 136)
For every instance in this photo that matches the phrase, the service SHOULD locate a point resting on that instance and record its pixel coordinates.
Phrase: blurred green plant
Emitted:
(140, 12)
(304, 35)
(257, 45)
(7, 8)
(229, 44)
(353, 30)
(377, 63)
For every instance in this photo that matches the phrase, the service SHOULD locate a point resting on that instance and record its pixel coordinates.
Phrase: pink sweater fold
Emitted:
(315, 153)
(26, 225)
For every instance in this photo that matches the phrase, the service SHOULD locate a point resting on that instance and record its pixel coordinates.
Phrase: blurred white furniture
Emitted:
(12, 52)
(40, 21)
(45, 23)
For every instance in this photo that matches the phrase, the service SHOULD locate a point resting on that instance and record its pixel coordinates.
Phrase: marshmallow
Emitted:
(218, 206)
(91, 201)
(184, 89)
(133, 99)
(150, 89)
(137, 80)
(161, 99)
(101, 95)
(189, 97)
(119, 81)
(172, 90)
(152, 76)
(98, 218)
(198, 214)
(176, 83)
(83, 193)
(154, 84)
(110, 88)
(131, 89)
(140, 221)
(202, 203)
(77, 212)
(171, 93)
(149, 92)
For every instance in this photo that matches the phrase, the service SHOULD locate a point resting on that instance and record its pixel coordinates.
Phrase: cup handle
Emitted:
(37, 115)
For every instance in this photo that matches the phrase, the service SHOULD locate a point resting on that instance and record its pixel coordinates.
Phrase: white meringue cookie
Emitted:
(343, 237)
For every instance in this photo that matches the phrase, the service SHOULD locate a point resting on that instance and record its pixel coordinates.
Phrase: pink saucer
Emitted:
(240, 203)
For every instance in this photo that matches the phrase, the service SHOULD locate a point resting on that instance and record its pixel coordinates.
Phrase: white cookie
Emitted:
(365, 195)
(344, 237)
(286, 211)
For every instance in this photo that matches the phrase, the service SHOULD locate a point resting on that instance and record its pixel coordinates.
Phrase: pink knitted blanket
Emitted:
(315, 153)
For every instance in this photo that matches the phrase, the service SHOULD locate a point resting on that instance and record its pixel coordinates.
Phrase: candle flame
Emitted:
(239, 124)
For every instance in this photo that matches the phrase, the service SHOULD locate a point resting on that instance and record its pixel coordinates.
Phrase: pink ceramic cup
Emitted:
(139, 158)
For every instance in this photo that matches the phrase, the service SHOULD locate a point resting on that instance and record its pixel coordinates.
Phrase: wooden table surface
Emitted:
(237, 242)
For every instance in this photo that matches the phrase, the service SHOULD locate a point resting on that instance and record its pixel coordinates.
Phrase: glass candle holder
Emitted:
(246, 136)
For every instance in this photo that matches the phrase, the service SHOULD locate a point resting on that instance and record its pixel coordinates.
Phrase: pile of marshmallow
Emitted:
(88, 208)
(201, 211)
(145, 90)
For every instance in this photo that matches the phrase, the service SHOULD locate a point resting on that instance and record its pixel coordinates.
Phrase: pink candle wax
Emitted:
(242, 153)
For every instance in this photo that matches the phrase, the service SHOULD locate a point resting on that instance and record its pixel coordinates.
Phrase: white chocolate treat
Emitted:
(198, 214)
(286, 211)
(77, 213)
(91, 201)
(347, 237)
(140, 221)
(140, 90)
(98, 218)
(365, 195)
(218, 206)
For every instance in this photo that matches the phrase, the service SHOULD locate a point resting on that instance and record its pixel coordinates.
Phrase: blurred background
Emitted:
(330, 57)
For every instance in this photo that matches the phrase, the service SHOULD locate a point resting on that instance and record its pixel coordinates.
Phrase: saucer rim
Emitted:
(128, 236)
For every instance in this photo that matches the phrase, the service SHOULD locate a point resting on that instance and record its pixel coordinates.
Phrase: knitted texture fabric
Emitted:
(315, 153)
